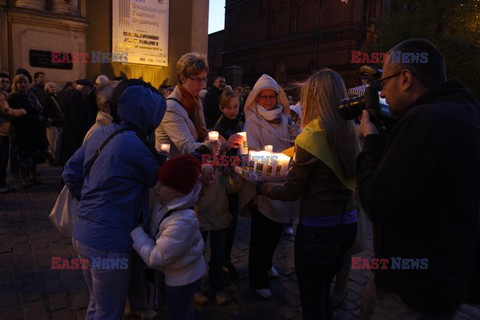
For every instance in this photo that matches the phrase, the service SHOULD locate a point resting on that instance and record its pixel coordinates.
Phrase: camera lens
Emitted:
(351, 108)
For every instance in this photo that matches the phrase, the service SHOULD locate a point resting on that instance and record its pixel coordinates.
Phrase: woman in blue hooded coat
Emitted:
(114, 195)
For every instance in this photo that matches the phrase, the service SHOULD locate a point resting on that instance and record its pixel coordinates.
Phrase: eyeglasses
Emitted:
(267, 97)
(382, 82)
(198, 80)
(4, 81)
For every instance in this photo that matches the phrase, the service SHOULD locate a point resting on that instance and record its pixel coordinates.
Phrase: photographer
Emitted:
(421, 190)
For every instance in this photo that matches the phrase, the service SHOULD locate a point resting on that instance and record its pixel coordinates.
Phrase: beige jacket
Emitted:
(212, 206)
(177, 129)
(260, 132)
(102, 120)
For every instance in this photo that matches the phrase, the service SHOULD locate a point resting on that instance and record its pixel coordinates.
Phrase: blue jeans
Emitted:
(108, 287)
(180, 301)
(314, 285)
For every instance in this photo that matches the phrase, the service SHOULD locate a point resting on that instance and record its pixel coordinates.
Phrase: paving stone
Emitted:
(25, 272)
(35, 311)
(6, 259)
(21, 249)
(289, 298)
(58, 301)
(79, 301)
(8, 298)
(6, 247)
(287, 312)
(80, 314)
(30, 296)
(63, 315)
(291, 286)
(13, 312)
(53, 286)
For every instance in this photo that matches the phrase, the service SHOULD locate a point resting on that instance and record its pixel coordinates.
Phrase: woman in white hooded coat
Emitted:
(266, 112)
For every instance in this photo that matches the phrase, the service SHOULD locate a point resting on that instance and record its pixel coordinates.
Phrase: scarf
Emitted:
(191, 104)
(273, 116)
(313, 140)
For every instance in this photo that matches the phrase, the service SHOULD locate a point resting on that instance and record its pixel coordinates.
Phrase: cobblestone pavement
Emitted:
(29, 289)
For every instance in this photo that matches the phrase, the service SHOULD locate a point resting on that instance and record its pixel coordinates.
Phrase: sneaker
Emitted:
(288, 231)
(273, 273)
(200, 298)
(222, 298)
(264, 293)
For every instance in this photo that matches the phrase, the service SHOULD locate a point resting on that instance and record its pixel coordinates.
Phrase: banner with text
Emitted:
(140, 29)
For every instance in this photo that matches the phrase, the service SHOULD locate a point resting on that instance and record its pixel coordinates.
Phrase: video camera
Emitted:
(367, 96)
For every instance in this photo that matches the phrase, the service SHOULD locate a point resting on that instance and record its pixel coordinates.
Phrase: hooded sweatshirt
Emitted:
(260, 132)
(114, 195)
(178, 247)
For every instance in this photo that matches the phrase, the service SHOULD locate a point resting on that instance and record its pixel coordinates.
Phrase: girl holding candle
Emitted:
(266, 111)
(323, 177)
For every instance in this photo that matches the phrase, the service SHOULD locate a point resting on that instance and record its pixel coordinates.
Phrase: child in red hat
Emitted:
(178, 247)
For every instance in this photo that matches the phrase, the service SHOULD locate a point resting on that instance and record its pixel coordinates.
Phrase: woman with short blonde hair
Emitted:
(183, 126)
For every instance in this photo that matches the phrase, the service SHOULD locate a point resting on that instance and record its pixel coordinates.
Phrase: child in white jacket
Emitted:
(178, 249)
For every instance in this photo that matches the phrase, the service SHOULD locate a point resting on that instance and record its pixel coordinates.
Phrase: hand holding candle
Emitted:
(165, 147)
(213, 136)
(243, 147)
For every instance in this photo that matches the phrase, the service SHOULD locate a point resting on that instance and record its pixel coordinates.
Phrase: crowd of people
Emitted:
(156, 207)
(39, 123)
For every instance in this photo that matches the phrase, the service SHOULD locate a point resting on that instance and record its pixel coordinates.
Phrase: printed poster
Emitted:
(140, 31)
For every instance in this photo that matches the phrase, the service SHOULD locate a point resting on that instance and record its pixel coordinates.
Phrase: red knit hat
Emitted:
(180, 173)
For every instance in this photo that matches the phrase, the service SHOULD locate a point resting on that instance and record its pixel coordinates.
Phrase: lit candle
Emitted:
(251, 162)
(283, 162)
(165, 147)
(268, 148)
(262, 161)
(273, 165)
(243, 148)
(213, 136)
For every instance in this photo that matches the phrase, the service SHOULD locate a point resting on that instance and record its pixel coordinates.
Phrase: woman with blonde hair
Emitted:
(323, 177)
(183, 126)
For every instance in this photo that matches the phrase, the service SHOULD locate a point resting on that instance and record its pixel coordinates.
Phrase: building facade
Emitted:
(289, 39)
(29, 29)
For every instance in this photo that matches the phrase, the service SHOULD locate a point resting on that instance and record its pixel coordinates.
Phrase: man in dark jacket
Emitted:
(211, 109)
(421, 190)
(38, 87)
(77, 119)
